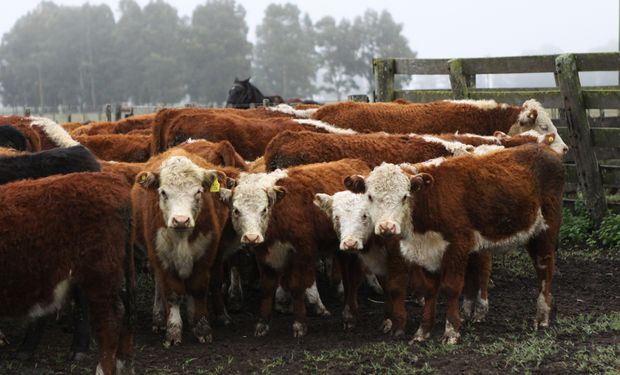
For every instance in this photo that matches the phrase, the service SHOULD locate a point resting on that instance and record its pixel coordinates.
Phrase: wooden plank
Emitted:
(458, 80)
(511, 64)
(610, 174)
(588, 172)
(603, 61)
(421, 66)
(549, 98)
(423, 96)
(613, 206)
(597, 98)
(384, 80)
(601, 137)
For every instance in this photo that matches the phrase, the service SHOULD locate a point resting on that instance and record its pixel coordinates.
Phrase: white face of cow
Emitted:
(387, 191)
(350, 216)
(534, 117)
(180, 184)
(251, 202)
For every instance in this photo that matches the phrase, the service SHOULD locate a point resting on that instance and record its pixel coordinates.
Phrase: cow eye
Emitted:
(544, 127)
(236, 211)
(163, 194)
(264, 211)
(364, 217)
(404, 198)
(370, 198)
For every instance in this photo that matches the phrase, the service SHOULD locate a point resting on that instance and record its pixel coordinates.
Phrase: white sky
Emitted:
(442, 28)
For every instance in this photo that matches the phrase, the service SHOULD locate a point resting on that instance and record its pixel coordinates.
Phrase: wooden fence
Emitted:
(591, 140)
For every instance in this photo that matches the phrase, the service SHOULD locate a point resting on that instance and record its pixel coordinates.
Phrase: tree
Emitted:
(381, 37)
(217, 49)
(285, 60)
(337, 46)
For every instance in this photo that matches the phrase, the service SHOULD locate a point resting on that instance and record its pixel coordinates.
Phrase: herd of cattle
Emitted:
(414, 196)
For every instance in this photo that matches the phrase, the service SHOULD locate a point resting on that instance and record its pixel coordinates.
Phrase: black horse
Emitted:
(243, 94)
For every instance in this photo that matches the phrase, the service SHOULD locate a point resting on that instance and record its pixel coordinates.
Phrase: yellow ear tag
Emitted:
(143, 178)
(551, 139)
(215, 186)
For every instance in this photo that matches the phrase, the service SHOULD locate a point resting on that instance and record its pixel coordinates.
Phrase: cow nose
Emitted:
(565, 149)
(350, 244)
(387, 228)
(180, 221)
(250, 238)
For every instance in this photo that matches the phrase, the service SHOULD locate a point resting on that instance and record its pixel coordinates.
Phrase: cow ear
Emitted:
(420, 181)
(247, 80)
(237, 80)
(324, 202)
(528, 117)
(275, 194)
(212, 180)
(355, 184)
(148, 180)
(226, 195)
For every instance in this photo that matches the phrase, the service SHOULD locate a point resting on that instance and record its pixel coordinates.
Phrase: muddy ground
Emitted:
(584, 337)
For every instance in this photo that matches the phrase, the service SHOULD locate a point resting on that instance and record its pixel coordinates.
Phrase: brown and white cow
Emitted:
(181, 223)
(274, 213)
(129, 148)
(62, 231)
(482, 117)
(442, 212)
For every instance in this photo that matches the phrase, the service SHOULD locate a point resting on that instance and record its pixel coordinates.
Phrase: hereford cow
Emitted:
(130, 148)
(181, 223)
(82, 223)
(482, 117)
(274, 213)
(248, 135)
(33, 141)
(443, 211)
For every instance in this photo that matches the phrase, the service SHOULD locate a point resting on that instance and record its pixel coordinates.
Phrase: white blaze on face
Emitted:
(180, 191)
(387, 192)
(349, 214)
(543, 124)
(251, 204)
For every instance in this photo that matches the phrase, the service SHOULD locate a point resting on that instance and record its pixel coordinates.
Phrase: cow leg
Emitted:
(268, 283)
(352, 276)
(235, 290)
(426, 284)
(337, 278)
(217, 277)
(202, 328)
(283, 301)
(174, 323)
(542, 251)
(107, 322)
(314, 301)
(396, 283)
(373, 282)
(301, 276)
(482, 297)
(386, 324)
(452, 280)
(159, 310)
(81, 326)
(470, 290)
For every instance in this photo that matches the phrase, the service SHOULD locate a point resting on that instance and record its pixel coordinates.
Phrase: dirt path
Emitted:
(584, 337)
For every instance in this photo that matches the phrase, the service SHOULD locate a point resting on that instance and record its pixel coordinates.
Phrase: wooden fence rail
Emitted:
(590, 140)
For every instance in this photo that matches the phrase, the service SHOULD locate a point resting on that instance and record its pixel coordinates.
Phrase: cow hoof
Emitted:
(321, 311)
(348, 318)
(168, 343)
(386, 326)
(480, 313)
(397, 332)
(202, 330)
(77, 356)
(467, 309)
(419, 336)
(450, 339)
(299, 329)
(173, 335)
(205, 339)
(261, 329)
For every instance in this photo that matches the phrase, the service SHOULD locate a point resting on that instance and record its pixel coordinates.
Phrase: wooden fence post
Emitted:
(458, 80)
(384, 79)
(587, 167)
(108, 112)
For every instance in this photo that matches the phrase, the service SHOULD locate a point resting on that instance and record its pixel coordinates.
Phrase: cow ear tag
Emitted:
(215, 186)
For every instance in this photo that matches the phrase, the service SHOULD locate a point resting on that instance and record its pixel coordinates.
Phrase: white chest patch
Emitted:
(425, 249)
(177, 253)
(60, 292)
(375, 259)
(278, 254)
(517, 239)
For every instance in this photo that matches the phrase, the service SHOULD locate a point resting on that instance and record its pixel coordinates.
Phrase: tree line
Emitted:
(82, 56)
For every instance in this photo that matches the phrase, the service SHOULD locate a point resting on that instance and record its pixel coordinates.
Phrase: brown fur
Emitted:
(117, 147)
(86, 239)
(219, 153)
(294, 148)
(423, 118)
(249, 136)
(71, 126)
(124, 126)
(4, 151)
(128, 170)
(257, 166)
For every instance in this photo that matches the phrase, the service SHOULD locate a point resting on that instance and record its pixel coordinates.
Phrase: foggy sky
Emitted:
(441, 28)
